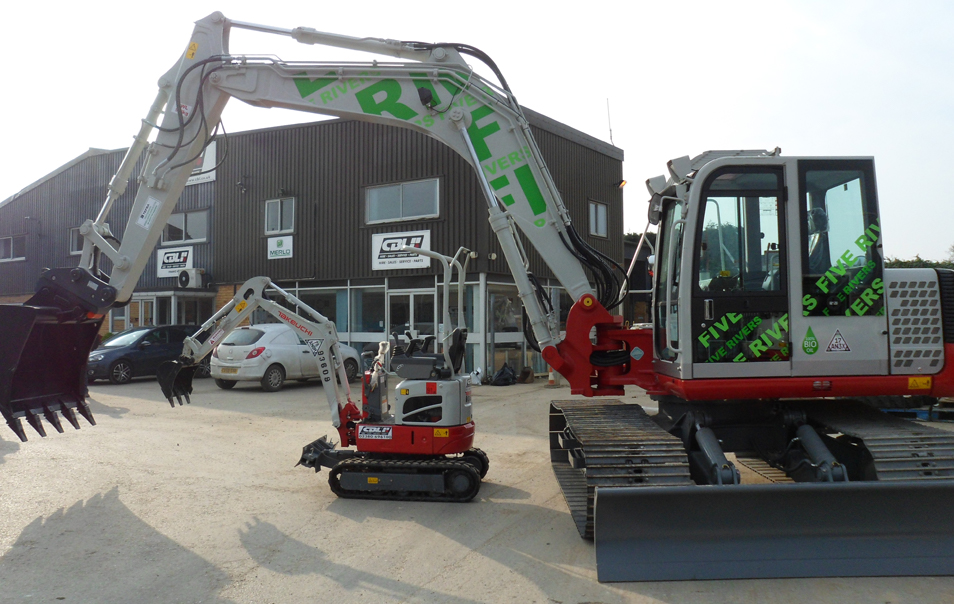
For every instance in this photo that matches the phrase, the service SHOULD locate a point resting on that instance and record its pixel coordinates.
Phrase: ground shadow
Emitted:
(7, 446)
(100, 551)
(274, 550)
(101, 409)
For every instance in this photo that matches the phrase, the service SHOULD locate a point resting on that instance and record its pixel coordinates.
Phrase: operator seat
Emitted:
(418, 365)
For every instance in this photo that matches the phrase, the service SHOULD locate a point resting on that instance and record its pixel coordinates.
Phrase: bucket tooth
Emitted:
(69, 415)
(35, 421)
(54, 419)
(83, 408)
(17, 427)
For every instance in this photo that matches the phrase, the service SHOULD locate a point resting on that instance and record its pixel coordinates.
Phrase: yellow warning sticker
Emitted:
(190, 54)
(372, 480)
(919, 383)
(405, 391)
(441, 432)
(241, 306)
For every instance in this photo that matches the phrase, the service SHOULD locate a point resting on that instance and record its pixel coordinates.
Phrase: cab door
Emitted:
(740, 291)
(841, 327)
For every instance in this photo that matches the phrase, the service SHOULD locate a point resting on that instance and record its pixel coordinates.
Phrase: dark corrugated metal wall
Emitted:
(327, 166)
(68, 199)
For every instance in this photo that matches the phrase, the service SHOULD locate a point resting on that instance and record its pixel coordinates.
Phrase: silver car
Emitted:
(270, 354)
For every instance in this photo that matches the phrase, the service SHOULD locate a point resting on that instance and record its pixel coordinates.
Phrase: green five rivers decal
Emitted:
(378, 96)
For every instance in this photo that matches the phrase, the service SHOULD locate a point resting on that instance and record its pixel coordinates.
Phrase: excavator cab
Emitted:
(773, 314)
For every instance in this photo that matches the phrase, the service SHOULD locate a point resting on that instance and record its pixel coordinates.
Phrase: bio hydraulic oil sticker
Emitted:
(851, 286)
(739, 337)
(810, 343)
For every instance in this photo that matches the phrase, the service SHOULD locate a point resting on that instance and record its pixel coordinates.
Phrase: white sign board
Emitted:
(203, 170)
(386, 251)
(171, 260)
(279, 247)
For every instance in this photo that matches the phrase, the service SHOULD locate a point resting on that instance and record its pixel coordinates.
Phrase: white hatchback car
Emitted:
(270, 353)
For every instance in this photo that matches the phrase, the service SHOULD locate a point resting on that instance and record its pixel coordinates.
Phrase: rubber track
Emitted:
(622, 447)
(902, 450)
(479, 453)
(401, 466)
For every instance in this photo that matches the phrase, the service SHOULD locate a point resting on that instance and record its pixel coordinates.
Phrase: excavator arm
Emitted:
(318, 332)
(433, 91)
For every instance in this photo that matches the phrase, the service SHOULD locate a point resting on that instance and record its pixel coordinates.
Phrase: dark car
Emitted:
(138, 352)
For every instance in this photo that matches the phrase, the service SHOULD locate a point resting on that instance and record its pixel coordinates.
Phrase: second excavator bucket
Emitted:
(43, 359)
(175, 380)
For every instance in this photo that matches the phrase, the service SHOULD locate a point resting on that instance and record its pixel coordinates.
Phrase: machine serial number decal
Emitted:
(919, 383)
(441, 432)
(148, 214)
(374, 432)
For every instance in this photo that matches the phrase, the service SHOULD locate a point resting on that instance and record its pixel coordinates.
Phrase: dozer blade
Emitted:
(773, 531)
(175, 380)
(43, 366)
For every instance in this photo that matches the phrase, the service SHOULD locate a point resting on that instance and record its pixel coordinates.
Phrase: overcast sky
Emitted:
(814, 78)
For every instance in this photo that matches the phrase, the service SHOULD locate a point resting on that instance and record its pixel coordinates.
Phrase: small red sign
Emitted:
(431, 388)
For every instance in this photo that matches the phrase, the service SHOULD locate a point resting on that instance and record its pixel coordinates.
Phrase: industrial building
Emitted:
(320, 209)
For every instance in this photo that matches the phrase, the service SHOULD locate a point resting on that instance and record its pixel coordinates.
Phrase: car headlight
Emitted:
(95, 357)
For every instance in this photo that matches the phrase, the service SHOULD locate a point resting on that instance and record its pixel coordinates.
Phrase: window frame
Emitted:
(13, 257)
(401, 185)
(593, 229)
(781, 196)
(870, 211)
(74, 234)
(185, 229)
(280, 231)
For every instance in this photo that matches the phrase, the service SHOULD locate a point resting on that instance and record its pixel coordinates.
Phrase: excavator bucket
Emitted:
(175, 380)
(43, 360)
(853, 529)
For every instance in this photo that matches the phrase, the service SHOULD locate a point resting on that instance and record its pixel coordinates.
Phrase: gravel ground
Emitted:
(203, 504)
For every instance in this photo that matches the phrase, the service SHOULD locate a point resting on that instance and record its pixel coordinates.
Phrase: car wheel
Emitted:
(203, 370)
(120, 372)
(225, 384)
(351, 369)
(273, 379)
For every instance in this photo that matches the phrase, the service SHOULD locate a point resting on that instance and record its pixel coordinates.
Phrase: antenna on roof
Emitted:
(609, 123)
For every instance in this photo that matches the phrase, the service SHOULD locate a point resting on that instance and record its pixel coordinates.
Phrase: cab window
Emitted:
(740, 245)
(841, 234)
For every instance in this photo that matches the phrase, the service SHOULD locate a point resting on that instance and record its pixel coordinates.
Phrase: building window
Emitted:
(12, 248)
(76, 242)
(186, 228)
(280, 216)
(598, 219)
(404, 201)
(117, 320)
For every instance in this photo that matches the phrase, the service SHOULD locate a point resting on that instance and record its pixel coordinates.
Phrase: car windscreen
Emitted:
(124, 339)
(243, 337)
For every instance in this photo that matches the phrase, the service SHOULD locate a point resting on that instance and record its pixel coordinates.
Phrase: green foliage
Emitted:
(918, 262)
(634, 237)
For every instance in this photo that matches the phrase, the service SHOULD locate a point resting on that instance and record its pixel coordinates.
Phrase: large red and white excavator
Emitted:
(772, 314)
